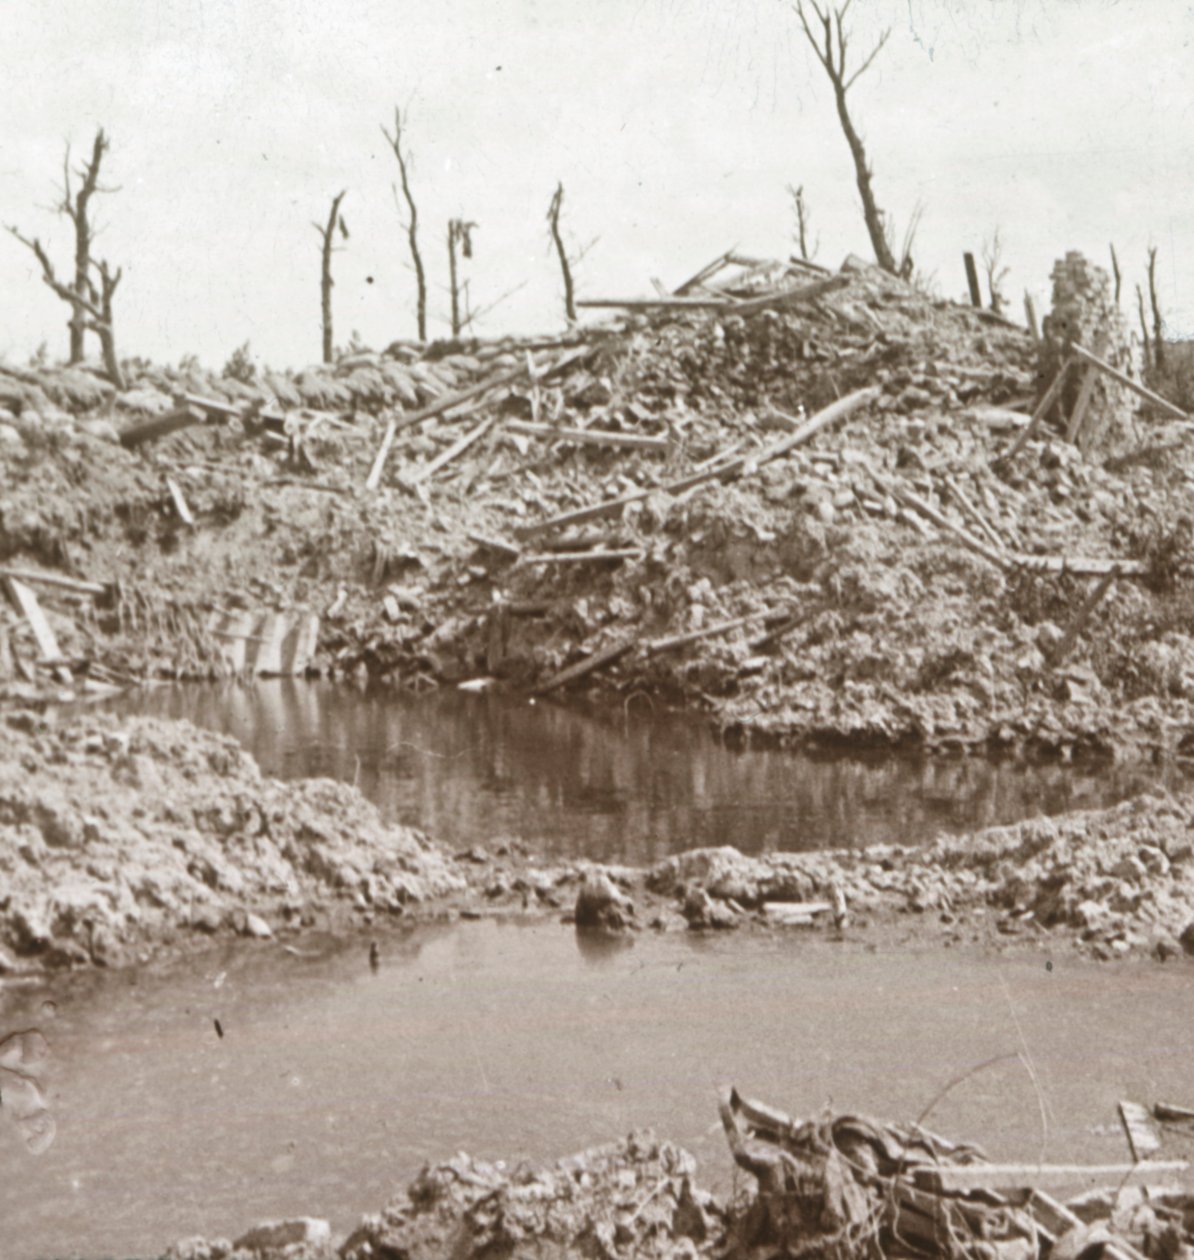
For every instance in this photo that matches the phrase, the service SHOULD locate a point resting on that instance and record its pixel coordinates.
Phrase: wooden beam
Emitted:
(54, 579)
(1082, 404)
(976, 293)
(597, 660)
(161, 426)
(1128, 383)
(1049, 398)
(588, 437)
(26, 603)
(449, 401)
(710, 269)
(446, 457)
(999, 1177)
(180, 504)
(829, 415)
(581, 557)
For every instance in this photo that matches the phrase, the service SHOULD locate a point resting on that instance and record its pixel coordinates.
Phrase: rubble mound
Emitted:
(121, 837)
(815, 509)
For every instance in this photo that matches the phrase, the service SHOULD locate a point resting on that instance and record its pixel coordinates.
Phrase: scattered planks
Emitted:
(729, 467)
(652, 647)
(587, 437)
(448, 402)
(446, 457)
(785, 297)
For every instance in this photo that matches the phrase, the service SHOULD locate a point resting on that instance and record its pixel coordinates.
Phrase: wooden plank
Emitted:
(180, 504)
(654, 646)
(161, 426)
(958, 1179)
(708, 270)
(1081, 404)
(595, 661)
(54, 579)
(1144, 1138)
(588, 437)
(446, 457)
(581, 557)
(789, 297)
(1042, 409)
(450, 401)
(300, 644)
(26, 604)
(1128, 383)
(829, 415)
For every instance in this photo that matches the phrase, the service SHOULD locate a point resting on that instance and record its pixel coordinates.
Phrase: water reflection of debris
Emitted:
(23, 1060)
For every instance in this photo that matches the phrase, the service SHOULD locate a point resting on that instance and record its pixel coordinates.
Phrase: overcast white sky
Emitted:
(674, 124)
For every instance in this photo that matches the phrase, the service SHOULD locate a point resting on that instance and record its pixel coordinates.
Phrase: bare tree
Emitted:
(412, 221)
(91, 307)
(1116, 272)
(830, 46)
(1148, 350)
(460, 235)
(327, 234)
(800, 207)
(553, 222)
(1158, 323)
(997, 273)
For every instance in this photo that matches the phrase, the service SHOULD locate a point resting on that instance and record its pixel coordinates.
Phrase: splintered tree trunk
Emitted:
(553, 219)
(870, 209)
(1158, 323)
(326, 282)
(452, 279)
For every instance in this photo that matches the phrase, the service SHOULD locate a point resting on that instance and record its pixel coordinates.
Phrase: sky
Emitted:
(676, 127)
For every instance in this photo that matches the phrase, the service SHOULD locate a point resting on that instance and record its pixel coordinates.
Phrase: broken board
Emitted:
(266, 643)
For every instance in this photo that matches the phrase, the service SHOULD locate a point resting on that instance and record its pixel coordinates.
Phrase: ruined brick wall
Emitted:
(1084, 312)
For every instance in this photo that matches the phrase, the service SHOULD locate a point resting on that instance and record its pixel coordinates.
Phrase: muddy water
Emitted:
(331, 1083)
(629, 787)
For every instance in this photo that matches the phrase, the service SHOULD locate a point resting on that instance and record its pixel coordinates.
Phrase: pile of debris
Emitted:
(834, 1187)
(814, 505)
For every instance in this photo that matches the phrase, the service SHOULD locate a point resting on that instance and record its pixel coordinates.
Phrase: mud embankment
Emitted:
(119, 840)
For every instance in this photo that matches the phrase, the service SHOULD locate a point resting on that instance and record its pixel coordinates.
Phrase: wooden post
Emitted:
(1030, 316)
(1078, 415)
(976, 294)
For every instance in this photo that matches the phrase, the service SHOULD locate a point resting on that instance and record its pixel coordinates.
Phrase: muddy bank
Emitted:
(121, 839)
(895, 580)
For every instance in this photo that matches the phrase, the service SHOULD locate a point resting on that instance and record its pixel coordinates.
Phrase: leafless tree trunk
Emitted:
(93, 308)
(459, 234)
(1116, 273)
(997, 273)
(830, 47)
(75, 206)
(412, 223)
(553, 219)
(1158, 324)
(800, 206)
(327, 232)
(1148, 350)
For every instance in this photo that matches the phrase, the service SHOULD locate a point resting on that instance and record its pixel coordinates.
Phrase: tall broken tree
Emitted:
(1158, 322)
(412, 219)
(91, 306)
(327, 233)
(553, 222)
(830, 46)
(800, 209)
(460, 236)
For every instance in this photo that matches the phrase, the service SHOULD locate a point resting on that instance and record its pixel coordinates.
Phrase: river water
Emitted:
(631, 786)
(331, 1083)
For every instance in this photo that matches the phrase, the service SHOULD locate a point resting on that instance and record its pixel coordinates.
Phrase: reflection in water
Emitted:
(23, 1059)
(470, 768)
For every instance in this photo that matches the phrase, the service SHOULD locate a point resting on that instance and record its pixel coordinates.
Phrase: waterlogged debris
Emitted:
(24, 1059)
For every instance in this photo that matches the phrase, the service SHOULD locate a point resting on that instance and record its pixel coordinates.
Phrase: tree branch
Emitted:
(412, 225)
(63, 291)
